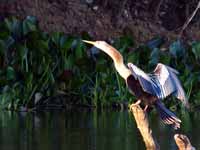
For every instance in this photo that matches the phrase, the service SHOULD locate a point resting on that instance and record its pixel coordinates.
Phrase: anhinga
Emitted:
(148, 88)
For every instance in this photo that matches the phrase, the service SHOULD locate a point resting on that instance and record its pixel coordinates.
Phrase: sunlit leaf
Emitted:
(28, 25)
(31, 19)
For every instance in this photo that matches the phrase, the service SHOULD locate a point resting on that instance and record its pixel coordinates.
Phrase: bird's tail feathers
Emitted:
(167, 116)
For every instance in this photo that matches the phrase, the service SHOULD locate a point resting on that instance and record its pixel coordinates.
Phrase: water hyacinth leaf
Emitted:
(177, 49)
(14, 26)
(133, 57)
(11, 24)
(123, 43)
(63, 40)
(9, 42)
(165, 58)
(154, 57)
(196, 50)
(144, 52)
(4, 33)
(155, 42)
(28, 26)
(55, 37)
(43, 46)
(10, 73)
(94, 50)
(32, 19)
(2, 47)
(5, 99)
(69, 62)
(66, 42)
(23, 53)
(79, 49)
(51, 77)
(85, 36)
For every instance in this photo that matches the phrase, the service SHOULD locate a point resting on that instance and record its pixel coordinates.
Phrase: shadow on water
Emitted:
(85, 130)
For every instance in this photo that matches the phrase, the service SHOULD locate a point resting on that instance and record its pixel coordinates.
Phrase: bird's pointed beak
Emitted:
(89, 42)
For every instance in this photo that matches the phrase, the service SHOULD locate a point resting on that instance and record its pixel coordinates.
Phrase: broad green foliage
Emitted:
(32, 61)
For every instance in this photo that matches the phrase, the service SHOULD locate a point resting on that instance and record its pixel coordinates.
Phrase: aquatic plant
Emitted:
(33, 62)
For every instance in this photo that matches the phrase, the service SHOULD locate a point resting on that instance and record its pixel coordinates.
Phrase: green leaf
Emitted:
(154, 57)
(43, 46)
(66, 42)
(10, 73)
(2, 47)
(4, 34)
(55, 37)
(14, 26)
(69, 62)
(9, 42)
(133, 57)
(79, 49)
(28, 26)
(165, 58)
(123, 43)
(155, 42)
(196, 50)
(177, 49)
(32, 19)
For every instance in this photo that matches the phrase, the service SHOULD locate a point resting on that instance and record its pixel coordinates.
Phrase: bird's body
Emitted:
(136, 89)
(148, 88)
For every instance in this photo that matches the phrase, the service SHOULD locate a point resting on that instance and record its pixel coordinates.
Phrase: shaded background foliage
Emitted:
(33, 62)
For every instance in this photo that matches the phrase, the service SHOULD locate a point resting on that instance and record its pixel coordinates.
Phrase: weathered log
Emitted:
(183, 142)
(144, 128)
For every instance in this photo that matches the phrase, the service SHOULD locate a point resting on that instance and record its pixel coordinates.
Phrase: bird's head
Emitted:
(114, 54)
(102, 45)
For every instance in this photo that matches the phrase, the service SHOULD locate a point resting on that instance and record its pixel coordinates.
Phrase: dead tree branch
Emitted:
(189, 19)
(183, 142)
(144, 128)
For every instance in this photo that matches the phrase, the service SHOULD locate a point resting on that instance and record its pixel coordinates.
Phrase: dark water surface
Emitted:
(86, 130)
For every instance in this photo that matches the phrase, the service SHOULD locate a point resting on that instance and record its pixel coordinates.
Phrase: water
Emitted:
(85, 130)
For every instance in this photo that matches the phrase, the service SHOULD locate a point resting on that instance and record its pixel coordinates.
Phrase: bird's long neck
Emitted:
(118, 62)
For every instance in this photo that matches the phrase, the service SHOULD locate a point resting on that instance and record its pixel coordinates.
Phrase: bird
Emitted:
(148, 88)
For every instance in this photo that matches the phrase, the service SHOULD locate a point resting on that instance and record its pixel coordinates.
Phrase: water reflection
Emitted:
(85, 130)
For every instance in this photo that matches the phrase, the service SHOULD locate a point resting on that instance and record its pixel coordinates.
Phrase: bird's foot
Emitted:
(136, 103)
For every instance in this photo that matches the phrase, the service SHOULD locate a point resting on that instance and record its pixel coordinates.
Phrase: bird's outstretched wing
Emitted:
(145, 81)
(170, 83)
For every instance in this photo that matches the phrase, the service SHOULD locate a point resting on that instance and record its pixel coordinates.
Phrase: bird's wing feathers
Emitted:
(145, 81)
(169, 82)
(163, 75)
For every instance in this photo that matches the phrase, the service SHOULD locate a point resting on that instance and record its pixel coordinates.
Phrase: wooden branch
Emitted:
(189, 19)
(142, 122)
(183, 142)
(143, 126)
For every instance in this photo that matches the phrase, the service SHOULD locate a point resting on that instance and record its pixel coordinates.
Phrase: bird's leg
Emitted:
(145, 108)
